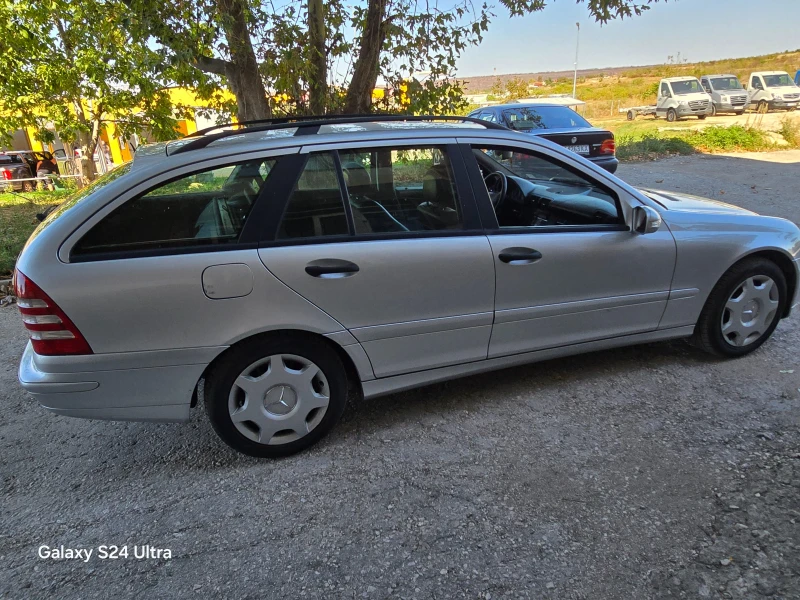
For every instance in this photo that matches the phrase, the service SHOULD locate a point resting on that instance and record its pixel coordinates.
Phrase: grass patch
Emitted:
(636, 144)
(18, 220)
(735, 138)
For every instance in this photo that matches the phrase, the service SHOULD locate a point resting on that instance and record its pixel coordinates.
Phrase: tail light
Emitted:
(7, 175)
(52, 333)
(608, 147)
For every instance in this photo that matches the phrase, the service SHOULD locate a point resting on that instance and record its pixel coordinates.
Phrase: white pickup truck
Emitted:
(678, 97)
(773, 89)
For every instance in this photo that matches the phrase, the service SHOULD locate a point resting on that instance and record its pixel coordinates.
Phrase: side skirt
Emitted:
(399, 383)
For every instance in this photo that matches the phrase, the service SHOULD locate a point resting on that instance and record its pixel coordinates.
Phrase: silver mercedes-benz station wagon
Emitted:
(278, 266)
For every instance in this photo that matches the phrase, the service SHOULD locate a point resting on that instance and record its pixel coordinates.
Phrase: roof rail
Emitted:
(310, 125)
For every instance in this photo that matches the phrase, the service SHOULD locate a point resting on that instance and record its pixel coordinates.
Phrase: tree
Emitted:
(309, 59)
(73, 64)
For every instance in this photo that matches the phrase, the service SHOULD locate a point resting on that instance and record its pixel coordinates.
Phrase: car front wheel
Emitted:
(743, 309)
(672, 116)
(276, 396)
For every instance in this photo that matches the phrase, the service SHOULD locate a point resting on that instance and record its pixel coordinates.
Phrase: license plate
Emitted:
(581, 149)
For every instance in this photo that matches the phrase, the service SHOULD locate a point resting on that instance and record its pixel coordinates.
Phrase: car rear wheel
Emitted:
(27, 186)
(631, 115)
(672, 116)
(276, 396)
(743, 309)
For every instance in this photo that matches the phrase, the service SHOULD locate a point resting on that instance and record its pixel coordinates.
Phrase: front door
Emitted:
(664, 98)
(387, 241)
(568, 269)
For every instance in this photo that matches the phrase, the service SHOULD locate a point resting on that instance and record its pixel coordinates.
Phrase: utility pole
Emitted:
(575, 78)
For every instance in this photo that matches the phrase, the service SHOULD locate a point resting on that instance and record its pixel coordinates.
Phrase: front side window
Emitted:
(530, 190)
(665, 90)
(396, 190)
(204, 208)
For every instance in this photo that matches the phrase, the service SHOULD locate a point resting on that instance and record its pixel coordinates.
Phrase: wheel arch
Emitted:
(784, 262)
(353, 378)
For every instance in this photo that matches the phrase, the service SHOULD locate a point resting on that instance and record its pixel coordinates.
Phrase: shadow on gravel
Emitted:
(195, 446)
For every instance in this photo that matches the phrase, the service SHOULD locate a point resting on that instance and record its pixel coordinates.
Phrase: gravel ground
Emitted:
(647, 472)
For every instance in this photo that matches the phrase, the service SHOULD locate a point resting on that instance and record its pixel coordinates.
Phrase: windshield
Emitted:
(781, 80)
(543, 117)
(726, 83)
(690, 86)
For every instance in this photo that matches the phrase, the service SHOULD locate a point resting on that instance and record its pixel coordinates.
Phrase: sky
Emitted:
(699, 29)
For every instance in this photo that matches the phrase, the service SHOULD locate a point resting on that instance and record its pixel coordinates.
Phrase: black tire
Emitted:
(708, 331)
(27, 186)
(739, 113)
(713, 110)
(702, 117)
(220, 378)
(763, 106)
(631, 115)
(672, 116)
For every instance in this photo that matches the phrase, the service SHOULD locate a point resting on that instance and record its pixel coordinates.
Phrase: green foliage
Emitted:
(74, 64)
(633, 145)
(790, 130)
(18, 220)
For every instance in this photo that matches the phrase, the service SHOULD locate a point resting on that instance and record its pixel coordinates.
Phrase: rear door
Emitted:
(568, 269)
(385, 238)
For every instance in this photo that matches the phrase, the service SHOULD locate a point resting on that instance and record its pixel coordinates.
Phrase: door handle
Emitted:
(331, 268)
(519, 256)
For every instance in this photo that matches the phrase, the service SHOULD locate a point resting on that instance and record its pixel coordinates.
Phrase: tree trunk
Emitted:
(365, 75)
(241, 71)
(318, 88)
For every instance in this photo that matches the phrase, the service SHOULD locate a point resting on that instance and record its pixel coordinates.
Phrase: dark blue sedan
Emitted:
(559, 124)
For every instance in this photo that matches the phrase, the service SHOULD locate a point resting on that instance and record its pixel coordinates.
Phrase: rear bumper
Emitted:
(609, 163)
(136, 386)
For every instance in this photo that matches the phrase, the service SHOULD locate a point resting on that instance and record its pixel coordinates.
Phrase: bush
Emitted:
(726, 139)
(790, 130)
(650, 146)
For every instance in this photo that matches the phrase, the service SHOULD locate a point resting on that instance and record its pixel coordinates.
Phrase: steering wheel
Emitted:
(497, 185)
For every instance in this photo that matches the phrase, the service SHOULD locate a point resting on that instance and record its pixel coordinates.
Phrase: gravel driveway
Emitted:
(645, 472)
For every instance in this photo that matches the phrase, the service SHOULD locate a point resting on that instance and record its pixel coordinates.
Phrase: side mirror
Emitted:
(645, 220)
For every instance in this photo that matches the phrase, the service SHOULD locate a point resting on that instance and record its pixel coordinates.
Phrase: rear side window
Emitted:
(396, 190)
(207, 207)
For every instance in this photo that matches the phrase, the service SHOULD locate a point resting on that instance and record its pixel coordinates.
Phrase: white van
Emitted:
(680, 97)
(769, 90)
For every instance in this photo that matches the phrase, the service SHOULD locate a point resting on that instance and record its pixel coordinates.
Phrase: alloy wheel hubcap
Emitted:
(750, 310)
(278, 399)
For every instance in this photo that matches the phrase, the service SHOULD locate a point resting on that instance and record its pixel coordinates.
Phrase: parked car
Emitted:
(797, 78)
(680, 97)
(727, 93)
(14, 169)
(268, 270)
(770, 90)
(558, 123)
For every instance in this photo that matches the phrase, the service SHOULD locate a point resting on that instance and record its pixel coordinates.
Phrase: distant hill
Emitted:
(783, 61)
(605, 91)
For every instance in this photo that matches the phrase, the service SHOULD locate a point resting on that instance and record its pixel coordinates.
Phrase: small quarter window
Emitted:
(315, 207)
(207, 207)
